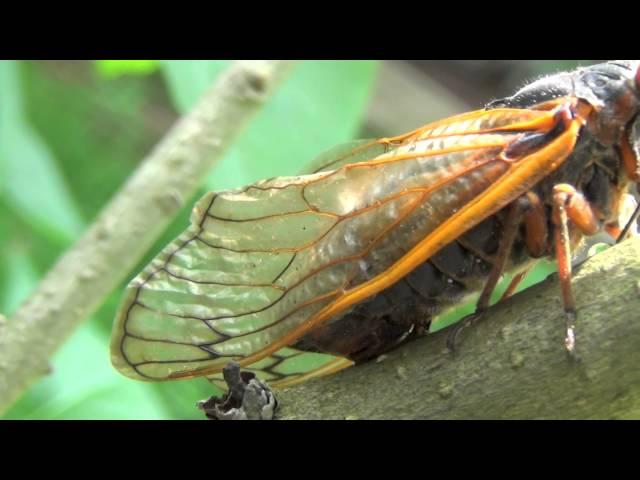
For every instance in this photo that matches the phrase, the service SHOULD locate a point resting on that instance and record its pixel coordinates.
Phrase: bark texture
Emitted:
(511, 365)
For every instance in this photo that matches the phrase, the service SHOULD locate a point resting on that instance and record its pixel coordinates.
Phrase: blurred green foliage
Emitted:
(70, 135)
(116, 68)
(291, 130)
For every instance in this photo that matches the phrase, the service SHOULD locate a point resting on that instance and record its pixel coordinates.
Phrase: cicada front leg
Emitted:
(631, 165)
(569, 204)
(629, 212)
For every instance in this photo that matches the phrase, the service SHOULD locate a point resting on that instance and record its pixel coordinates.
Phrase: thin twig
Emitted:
(126, 228)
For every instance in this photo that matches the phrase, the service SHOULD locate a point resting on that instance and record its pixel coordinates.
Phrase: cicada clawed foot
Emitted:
(248, 398)
(570, 336)
(453, 340)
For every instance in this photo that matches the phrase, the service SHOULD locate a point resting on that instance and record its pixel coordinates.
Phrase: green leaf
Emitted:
(180, 398)
(83, 385)
(117, 68)
(38, 218)
(319, 106)
(31, 180)
(23, 257)
(314, 115)
(21, 277)
(98, 130)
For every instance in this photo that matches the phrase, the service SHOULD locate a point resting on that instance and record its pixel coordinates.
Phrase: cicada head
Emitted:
(603, 84)
(606, 97)
(612, 89)
(634, 137)
(634, 130)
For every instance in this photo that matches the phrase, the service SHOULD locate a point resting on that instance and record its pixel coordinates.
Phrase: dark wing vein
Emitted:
(271, 255)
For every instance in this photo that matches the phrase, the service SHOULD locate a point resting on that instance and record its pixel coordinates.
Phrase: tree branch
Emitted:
(511, 365)
(129, 224)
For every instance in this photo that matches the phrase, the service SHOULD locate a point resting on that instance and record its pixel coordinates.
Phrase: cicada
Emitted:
(296, 277)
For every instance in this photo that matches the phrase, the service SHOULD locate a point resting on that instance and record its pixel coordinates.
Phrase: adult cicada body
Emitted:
(302, 276)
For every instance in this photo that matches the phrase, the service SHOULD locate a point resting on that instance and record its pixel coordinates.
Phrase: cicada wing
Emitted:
(289, 366)
(368, 149)
(350, 152)
(362, 150)
(261, 266)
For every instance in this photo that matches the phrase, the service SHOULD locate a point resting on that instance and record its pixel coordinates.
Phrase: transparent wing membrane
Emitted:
(260, 266)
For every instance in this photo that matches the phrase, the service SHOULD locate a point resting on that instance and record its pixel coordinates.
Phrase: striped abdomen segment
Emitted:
(408, 307)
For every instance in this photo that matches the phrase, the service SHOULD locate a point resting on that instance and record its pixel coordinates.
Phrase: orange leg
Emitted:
(630, 209)
(631, 165)
(510, 229)
(515, 281)
(535, 221)
(569, 204)
(630, 161)
(530, 210)
(536, 238)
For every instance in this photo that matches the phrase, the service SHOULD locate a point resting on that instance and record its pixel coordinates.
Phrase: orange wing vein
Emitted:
(261, 266)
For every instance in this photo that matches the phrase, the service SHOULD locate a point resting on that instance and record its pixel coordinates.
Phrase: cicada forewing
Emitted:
(261, 266)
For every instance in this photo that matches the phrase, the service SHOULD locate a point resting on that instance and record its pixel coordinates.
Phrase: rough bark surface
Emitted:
(511, 365)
